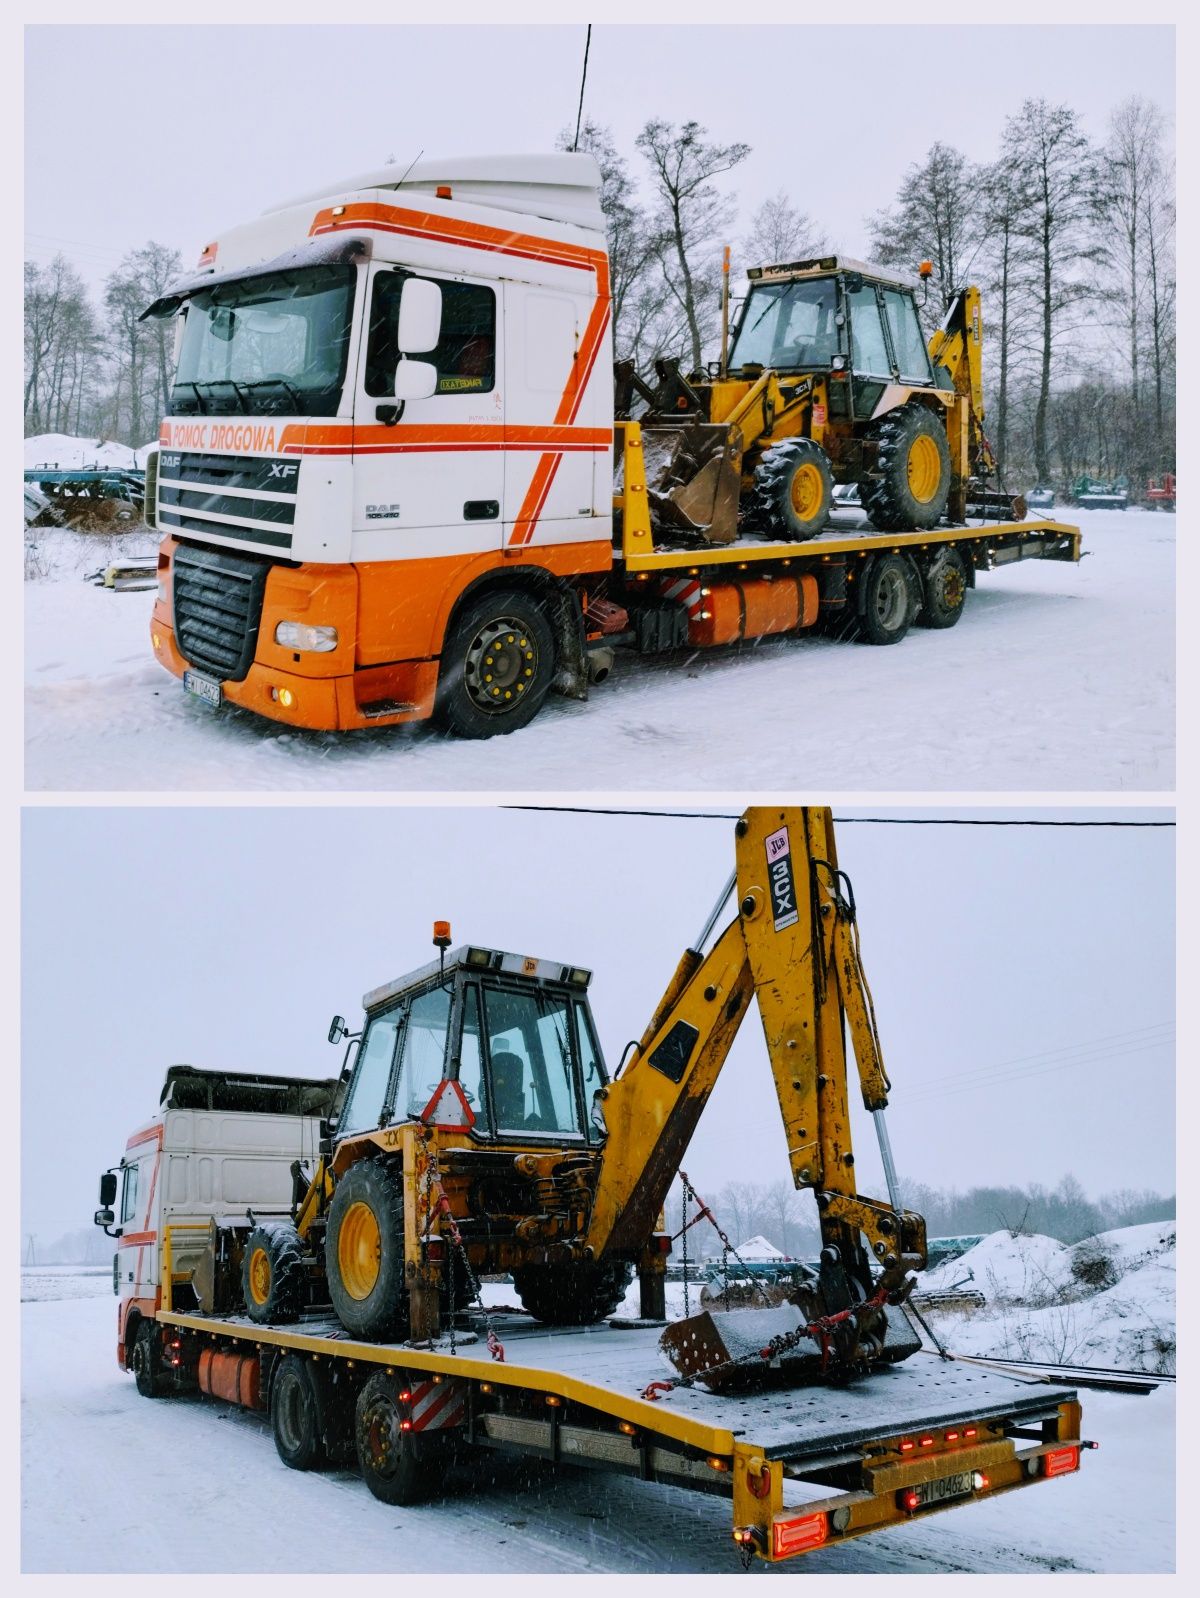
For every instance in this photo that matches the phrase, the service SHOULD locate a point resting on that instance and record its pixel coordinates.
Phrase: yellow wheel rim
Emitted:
(924, 468)
(806, 491)
(260, 1276)
(358, 1250)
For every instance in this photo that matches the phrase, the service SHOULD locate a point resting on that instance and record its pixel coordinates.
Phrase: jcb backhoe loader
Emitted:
(829, 380)
(479, 1131)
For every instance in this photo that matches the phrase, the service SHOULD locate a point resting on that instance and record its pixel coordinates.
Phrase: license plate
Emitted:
(936, 1492)
(203, 687)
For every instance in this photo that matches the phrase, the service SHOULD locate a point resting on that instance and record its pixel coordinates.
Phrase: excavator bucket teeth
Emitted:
(693, 478)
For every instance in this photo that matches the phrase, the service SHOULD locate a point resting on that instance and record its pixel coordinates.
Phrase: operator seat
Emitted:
(508, 1091)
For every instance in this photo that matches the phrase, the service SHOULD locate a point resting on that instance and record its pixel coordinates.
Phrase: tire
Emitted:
(364, 1253)
(577, 1294)
(146, 1361)
(946, 584)
(888, 600)
(296, 1419)
(273, 1274)
(386, 1453)
(912, 482)
(793, 490)
(497, 665)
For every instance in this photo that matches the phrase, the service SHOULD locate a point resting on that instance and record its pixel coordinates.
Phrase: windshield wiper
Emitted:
(195, 388)
(228, 382)
(278, 382)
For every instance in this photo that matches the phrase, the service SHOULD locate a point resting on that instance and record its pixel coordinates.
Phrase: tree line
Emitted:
(1071, 240)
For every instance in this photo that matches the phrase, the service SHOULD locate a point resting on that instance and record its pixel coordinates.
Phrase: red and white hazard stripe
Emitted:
(685, 590)
(437, 1404)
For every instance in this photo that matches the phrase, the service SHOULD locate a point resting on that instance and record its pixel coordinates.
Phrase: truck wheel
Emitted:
(913, 482)
(576, 1294)
(793, 490)
(273, 1274)
(889, 600)
(945, 590)
(386, 1455)
(364, 1253)
(146, 1361)
(296, 1415)
(497, 666)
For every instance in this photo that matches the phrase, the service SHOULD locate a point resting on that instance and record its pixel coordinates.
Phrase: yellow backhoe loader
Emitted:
(829, 381)
(478, 1131)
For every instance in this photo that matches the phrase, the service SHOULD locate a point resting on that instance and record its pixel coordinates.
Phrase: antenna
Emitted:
(582, 82)
(411, 164)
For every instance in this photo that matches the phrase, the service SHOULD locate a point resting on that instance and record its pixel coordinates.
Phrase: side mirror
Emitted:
(419, 324)
(108, 1190)
(415, 380)
(103, 1218)
(338, 1029)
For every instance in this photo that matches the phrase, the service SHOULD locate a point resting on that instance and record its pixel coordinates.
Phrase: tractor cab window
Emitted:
(590, 1063)
(129, 1192)
(423, 1056)
(470, 1062)
(465, 355)
(363, 1108)
(788, 326)
(529, 1053)
(907, 339)
(870, 351)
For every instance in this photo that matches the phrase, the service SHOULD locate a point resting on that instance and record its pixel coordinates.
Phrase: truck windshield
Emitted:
(788, 326)
(266, 346)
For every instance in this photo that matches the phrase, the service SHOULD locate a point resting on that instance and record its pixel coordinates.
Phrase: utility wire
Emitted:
(842, 821)
(1136, 1036)
(986, 1084)
(582, 82)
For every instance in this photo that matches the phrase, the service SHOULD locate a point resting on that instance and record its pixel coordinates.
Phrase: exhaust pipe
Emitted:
(600, 663)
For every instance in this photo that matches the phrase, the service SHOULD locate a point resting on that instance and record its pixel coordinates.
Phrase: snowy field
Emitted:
(1058, 677)
(86, 1435)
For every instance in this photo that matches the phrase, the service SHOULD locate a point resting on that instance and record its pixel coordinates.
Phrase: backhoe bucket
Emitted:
(694, 478)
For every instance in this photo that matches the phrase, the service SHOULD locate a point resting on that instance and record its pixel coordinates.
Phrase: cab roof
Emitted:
(476, 957)
(824, 265)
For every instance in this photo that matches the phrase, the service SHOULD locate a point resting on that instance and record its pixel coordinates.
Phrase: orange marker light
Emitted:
(926, 269)
(441, 934)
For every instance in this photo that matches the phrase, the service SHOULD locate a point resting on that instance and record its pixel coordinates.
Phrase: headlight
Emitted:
(299, 635)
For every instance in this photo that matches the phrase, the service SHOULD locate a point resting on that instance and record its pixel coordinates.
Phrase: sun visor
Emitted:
(333, 250)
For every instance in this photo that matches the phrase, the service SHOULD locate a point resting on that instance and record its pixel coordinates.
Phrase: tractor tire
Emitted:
(793, 490)
(387, 1455)
(296, 1423)
(364, 1253)
(273, 1274)
(912, 485)
(497, 665)
(146, 1361)
(946, 584)
(888, 600)
(576, 1294)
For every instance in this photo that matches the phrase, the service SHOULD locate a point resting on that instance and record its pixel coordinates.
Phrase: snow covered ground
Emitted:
(65, 451)
(222, 1501)
(1058, 677)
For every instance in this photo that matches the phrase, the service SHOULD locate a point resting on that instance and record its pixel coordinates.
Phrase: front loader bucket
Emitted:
(694, 478)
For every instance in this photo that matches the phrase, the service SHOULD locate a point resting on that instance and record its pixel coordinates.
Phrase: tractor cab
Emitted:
(500, 1046)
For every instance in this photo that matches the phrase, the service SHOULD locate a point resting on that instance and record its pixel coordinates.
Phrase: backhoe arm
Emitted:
(793, 944)
(958, 346)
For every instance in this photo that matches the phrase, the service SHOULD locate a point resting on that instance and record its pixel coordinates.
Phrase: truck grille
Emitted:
(250, 499)
(218, 599)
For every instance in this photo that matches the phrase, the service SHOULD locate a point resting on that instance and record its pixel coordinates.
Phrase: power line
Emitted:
(1100, 1057)
(842, 821)
(1107, 1040)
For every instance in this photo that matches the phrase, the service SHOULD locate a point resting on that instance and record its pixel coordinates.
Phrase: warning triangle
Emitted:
(448, 1107)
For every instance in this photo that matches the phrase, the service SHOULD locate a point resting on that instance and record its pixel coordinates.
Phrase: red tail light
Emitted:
(795, 1536)
(910, 1500)
(1060, 1461)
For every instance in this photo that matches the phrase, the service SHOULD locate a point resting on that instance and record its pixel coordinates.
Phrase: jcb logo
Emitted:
(392, 1138)
(783, 883)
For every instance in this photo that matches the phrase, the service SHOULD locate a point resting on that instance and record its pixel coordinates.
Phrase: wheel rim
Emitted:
(924, 468)
(891, 596)
(501, 665)
(290, 1416)
(806, 492)
(358, 1250)
(260, 1276)
(953, 588)
(381, 1437)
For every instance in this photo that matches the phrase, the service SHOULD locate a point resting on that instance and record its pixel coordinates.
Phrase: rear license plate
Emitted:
(203, 687)
(936, 1492)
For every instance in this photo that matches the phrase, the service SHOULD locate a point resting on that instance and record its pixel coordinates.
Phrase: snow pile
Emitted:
(66, 451)
(62, 554)
(758, 1248)
(1109, 1300)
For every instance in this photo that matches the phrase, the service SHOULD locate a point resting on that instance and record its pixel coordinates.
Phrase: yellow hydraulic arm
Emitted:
(958, 346)
(793, 945)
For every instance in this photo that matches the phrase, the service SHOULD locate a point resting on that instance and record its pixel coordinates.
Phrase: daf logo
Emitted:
(379, 513)
(283, 469)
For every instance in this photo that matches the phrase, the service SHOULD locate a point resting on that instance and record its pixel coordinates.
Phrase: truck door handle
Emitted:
(481, 510)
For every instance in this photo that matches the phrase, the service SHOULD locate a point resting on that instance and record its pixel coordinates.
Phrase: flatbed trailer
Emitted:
(802, 1467)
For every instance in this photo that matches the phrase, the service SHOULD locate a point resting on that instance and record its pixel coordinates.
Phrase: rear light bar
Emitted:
(799, 1534)
(1059, 1461)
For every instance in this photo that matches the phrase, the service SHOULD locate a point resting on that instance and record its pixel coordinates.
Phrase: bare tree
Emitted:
(779, 232)
(691, 214)
(936, 218)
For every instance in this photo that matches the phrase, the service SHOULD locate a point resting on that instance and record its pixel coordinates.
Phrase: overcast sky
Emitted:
(1023, 978)
(211, 124)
